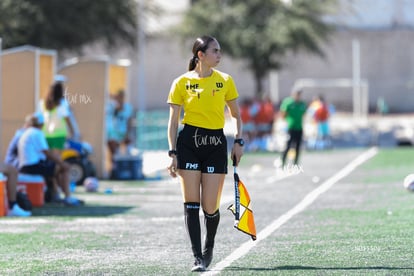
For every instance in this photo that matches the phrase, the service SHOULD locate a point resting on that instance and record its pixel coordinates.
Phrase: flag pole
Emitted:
(236, 192)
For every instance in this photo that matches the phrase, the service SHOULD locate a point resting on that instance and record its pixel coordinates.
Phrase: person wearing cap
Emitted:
(293, 109)
(10, 169)
(12, 157)
(35, 157)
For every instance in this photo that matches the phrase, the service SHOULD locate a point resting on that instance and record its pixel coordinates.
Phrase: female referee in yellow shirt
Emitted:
(199, 152)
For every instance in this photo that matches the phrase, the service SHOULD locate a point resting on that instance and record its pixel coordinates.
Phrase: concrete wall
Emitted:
(166, 59)
(386, 62)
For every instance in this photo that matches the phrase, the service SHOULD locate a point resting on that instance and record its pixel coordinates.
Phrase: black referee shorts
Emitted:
(201, 149)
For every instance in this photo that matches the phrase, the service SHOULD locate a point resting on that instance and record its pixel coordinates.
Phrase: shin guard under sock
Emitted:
(192, 223)
(211, 222)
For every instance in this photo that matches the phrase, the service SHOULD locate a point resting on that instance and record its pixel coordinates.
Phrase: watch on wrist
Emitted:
(239, 141)
(172, 152)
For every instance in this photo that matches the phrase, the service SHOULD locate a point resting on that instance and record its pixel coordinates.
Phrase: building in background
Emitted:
(383, 28)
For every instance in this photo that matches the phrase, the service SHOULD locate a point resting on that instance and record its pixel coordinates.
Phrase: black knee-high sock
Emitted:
(192, 223)
(211, 222)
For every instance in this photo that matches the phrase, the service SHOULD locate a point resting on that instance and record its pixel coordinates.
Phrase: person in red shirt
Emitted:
(264, 122)
(320, 115)
(247, 119)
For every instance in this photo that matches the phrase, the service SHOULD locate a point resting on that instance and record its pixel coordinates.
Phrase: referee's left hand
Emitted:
(236, 153)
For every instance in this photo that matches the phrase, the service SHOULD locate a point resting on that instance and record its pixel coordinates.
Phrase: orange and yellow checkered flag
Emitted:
(243, 214)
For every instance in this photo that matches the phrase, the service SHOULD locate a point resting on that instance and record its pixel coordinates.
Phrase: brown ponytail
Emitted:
(201, 44)
(193, 63)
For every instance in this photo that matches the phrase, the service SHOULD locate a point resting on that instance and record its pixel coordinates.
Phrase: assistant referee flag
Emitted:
(243, 214)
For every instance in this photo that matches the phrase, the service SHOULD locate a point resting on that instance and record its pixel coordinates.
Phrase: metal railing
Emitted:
(151, 130)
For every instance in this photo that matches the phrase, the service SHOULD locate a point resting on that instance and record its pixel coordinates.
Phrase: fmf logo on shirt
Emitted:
(191, 166)
(191, 86)
(196, 86)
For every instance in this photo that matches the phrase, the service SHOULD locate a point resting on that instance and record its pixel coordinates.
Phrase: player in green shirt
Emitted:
(292, 110)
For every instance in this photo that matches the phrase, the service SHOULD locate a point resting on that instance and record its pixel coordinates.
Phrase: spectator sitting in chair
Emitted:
(35, 157)
(12, 157)
(14, 209)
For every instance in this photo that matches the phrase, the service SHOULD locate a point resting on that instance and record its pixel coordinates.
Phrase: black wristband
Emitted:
(239, 141)
(172, 152)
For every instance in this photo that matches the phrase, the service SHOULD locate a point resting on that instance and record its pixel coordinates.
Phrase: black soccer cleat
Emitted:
(208, 255)
(198, 265)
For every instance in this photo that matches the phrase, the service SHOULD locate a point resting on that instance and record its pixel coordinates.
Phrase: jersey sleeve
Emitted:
(284, 105)
(175, 95)
(232, 90)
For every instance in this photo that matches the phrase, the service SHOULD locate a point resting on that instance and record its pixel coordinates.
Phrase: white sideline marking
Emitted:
(306, 201)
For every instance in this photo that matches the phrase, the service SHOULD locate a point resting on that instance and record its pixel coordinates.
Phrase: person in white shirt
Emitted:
(35, 157)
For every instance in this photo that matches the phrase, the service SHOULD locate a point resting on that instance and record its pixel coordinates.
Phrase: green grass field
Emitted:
(363, 225)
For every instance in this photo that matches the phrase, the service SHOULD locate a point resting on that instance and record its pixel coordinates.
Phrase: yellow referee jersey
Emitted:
(203, 99)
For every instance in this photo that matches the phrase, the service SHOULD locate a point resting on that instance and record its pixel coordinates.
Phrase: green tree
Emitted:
(68, 25)
(261, 32)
